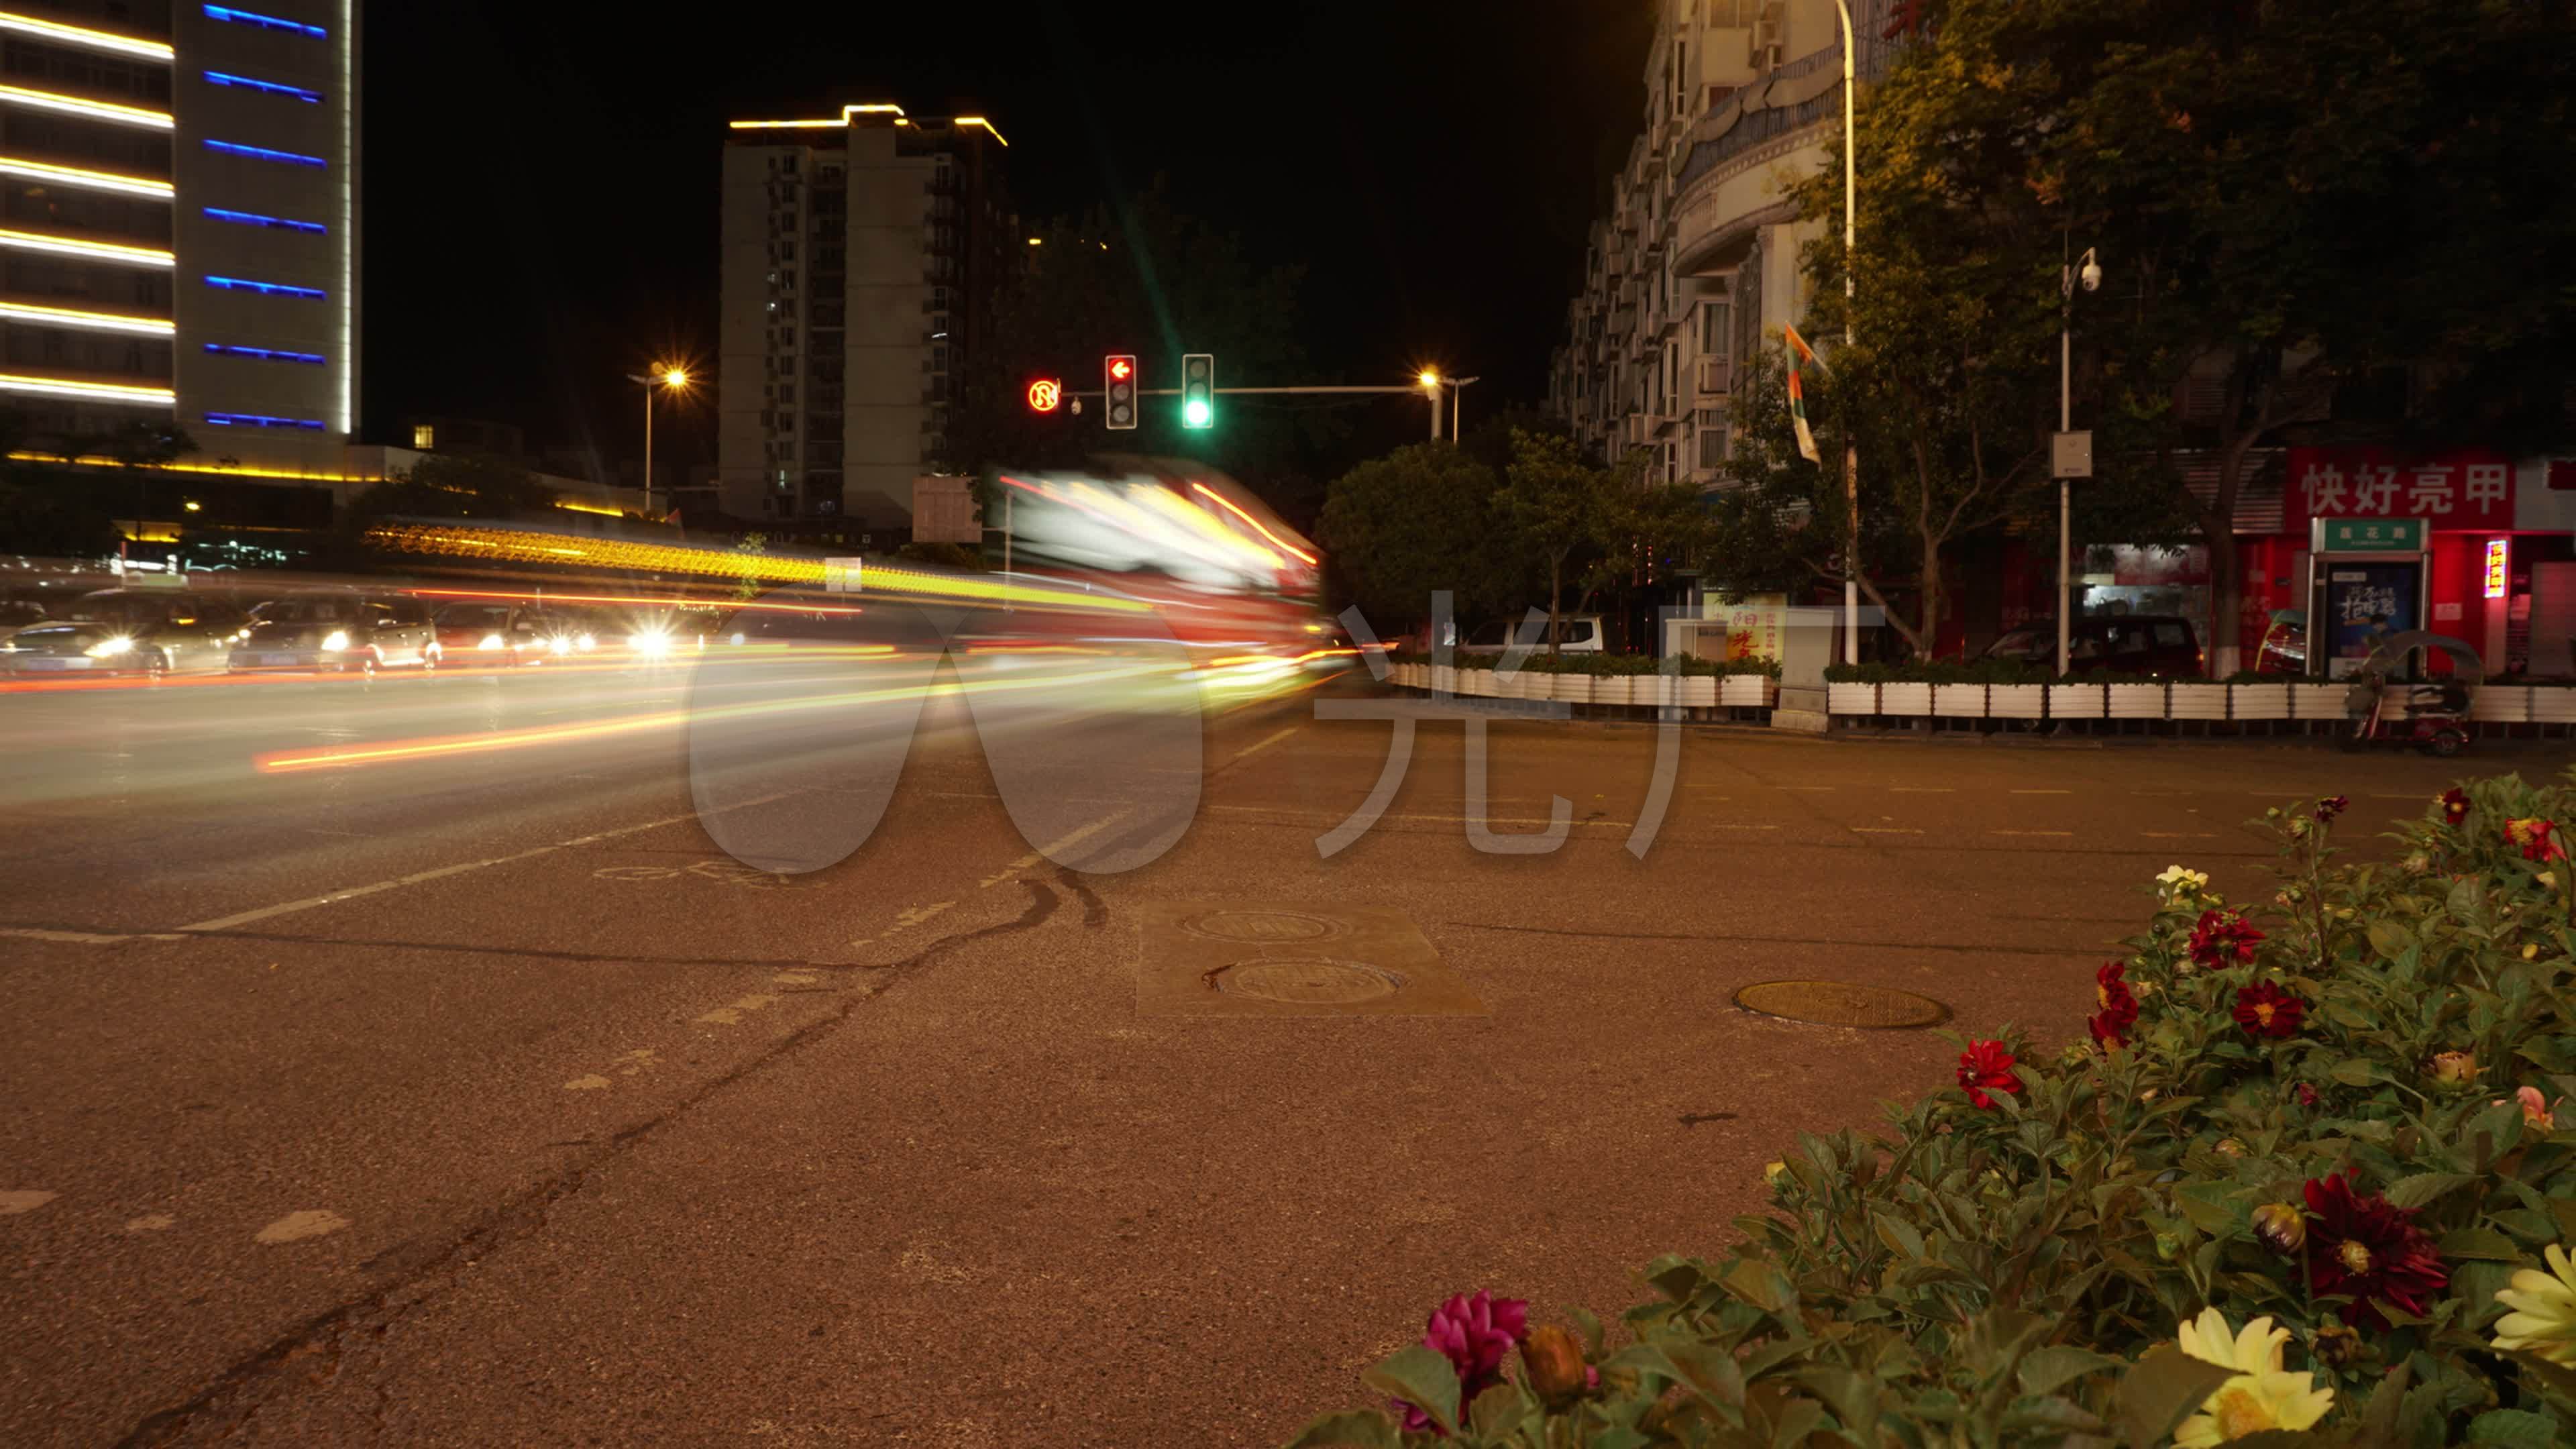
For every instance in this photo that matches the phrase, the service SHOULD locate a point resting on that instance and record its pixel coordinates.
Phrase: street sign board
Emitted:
(842, 575)
(2371, 535)
(2071, 455)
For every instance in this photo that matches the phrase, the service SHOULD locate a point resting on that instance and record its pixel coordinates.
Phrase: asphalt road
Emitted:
(408, 1062)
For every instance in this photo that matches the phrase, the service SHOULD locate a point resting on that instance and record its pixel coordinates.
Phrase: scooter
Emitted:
(2433, 717)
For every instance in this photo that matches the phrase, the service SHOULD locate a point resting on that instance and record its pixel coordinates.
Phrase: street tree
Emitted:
(1423, 518)
(1574, 518)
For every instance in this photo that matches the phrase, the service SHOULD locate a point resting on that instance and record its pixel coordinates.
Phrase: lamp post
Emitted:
(2090, 273)
(674, 379)
(1430, 380)
(1458, 404)
(1851, 446)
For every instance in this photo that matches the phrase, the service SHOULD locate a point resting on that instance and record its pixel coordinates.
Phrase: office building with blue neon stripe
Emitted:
(179, 236)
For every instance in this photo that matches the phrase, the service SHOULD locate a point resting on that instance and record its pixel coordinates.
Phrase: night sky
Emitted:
(541, 178)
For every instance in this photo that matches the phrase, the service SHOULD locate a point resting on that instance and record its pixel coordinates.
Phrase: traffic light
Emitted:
(1198, 390)
(1118, 380)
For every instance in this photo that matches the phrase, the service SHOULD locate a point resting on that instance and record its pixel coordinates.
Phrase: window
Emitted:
(1714, 340)
(424, 437)
(1712, 447)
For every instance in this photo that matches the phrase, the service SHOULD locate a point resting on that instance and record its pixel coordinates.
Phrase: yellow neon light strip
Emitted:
(979, 121)
(102, 321)
(872, 108)
(100, 391)
(82, 176)
(867, 108)
(81, 106)
(784, 125)
(93, 460)
(598, 508)
(61, 34)
(74, 247)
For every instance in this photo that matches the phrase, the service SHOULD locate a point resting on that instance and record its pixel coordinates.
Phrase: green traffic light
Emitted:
(1196, 413)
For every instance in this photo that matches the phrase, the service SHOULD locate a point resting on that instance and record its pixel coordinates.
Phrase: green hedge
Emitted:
(2327, 1116)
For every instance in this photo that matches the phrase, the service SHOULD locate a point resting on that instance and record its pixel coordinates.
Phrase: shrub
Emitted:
(2310, 1142)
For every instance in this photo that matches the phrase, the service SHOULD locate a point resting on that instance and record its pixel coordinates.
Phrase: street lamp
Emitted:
(1851, 330)
(670, 378)
(1430, 380)
(1458, 404)
(2090, 273)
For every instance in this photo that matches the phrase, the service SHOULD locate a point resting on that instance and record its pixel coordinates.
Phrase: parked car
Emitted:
(2107, 643)
(351, 633)
(1575, 634)
(125, 631)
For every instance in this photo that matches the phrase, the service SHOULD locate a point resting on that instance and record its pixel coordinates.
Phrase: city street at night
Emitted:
(477, 1096)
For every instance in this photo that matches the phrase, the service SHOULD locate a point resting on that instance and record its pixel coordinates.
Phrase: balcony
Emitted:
(1716, 376)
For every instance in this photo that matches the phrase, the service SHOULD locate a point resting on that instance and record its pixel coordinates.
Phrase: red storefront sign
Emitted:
(2469, 489)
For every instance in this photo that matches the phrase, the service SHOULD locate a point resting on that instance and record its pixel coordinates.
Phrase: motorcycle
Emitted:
(2431, 714)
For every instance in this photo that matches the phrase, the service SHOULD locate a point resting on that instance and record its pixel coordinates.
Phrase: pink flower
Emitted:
(2535, 1109)
(1475, 1335)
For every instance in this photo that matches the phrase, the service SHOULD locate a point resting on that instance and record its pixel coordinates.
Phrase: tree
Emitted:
(452, 485)
(1561, 506)
(1423, 518)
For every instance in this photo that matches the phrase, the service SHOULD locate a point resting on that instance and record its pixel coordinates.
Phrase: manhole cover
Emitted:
(1312, 981)
(1262, 927)
(1839, 1003)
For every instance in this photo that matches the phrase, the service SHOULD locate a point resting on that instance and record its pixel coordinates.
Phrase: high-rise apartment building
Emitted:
(858, 253)
(181, 237)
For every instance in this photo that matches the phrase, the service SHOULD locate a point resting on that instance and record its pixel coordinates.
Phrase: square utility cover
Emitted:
(1235, 958)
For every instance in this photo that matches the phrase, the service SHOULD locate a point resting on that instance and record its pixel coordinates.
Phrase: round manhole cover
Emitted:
(1262, 927)
(1840, 1003)
(1312, 981)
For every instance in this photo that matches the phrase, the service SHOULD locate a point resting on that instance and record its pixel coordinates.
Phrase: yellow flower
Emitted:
(1772, 1172)
(2529, 952)
(2544, 1318)
(2261, 1396)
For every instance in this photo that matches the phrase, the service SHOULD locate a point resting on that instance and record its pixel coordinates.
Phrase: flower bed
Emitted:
(2305, 1181)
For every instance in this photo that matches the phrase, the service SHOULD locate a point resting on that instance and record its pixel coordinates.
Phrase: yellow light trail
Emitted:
(61, 34)
(83, 106)
(1228, 505)
(84, 176)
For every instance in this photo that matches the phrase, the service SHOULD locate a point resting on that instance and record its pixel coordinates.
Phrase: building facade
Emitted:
(181, 239)
(1696, 262)
(856, 254)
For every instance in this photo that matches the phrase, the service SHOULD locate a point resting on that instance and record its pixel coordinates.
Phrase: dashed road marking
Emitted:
(794, 978)
(1052, 850)
(83, 938)
(732, 1012)
(2031, 832)
(422, 877)
(2043, 792)
(1803, 787)
(13, 1203)
(1259, 745)
(591, 1083)
(296, 1227)
(1921, 790)
(1885, 830)
(150, 1223)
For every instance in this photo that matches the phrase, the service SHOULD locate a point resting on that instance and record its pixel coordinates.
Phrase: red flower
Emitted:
(2119, 1006)
(1986, 1067)
(2307, 1095)
(2455, 805)
(2222, 939)
(2264, 1009)
(2367, 1248)
(2537, 837)
(2332, 806)
(1474, 1334)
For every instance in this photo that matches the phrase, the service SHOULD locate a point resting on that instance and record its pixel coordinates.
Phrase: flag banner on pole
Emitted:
(1799, 355)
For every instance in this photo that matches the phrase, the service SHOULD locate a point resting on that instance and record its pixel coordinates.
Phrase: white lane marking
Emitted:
(1884, 830)
(1253, 749)
(13, 1203)
(2043, 792)
(150, 1223)
(591, 1083)
(296, 1227)
(83, 938)
(1921, 790)
(1052, 850)
(1802, 787)
(2030, 832)
(422, 877)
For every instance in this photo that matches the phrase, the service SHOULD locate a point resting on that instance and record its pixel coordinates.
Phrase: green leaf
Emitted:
(1358, 1429)
(1899, 1235)
(2514, 1428)
(1708, 1370)
(1587, 1325)
(2423, 1187)
(2159, 1390)
(2479, 1243)
(2046, 1370)
(2206, 1204)
(2390, 939)
(1758, 1283)
(2355, 1072)
(1798, 1419)
(1852, 1395)
(1422, 1378)
(1498, 1408)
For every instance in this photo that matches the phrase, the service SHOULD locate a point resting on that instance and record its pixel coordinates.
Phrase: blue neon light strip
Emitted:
(274, 88)
(262, 420)
(253, 218)
(262, 153)
(265, 22)
(267, 289)
(264, 354)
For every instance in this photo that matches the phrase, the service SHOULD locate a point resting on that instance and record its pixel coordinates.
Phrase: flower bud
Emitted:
(2168, 1246)
(2418, 863)
(2230, 1147)
(1553, 1359)
(1775, 1172)
(2281, 1226)
(2531, 951)
(2334, 1345)
(2454, 1069)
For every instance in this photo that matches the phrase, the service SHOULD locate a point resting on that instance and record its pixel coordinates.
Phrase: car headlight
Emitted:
(737, 638)
(337, 639)
(560, 644)
(649, 643)
(584, 641)
(110, 648)
(490, 641)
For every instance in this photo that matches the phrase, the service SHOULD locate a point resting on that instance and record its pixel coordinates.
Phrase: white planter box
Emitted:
(2258, 701)
(2553, 704)
(1700, 691)
(1743, 691)
(2501, 703)
(1613, 688)
(1894, 698)
(1512, 686)
(2318, 701)
(1444, 678)
(1572, 688)
(1478, 683)
(2197, 701)
(1655, 691)
(1851, 699)
(1401, 675)
(2136, 701)
(2074, 701)
(2016, 701)
(1959, 701)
